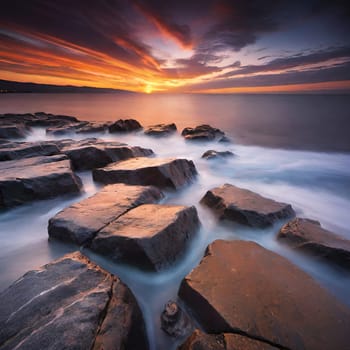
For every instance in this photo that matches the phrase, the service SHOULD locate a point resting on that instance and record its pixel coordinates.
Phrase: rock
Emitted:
(151, 236)
(161, 129)
(124, 125)
(89, 155)
(174, 321)
(13, 131)
(211, 154)
(19, 150)
(225, 139)
(226, 341)
(243, 288)
(36, 178)
(66, 128)
(81, 221)
(246, 207)
(70, 304)
(202, 132)
(309, 236)
(164, 173)
(93, 127)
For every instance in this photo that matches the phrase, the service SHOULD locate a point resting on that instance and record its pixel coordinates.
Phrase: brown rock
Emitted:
(161, 129)
(309, 236)
(36, 178)
(243, 288)
(65, 128)
(202, 133)
(151, 236)
(81, 221)
(70, 304)
(124, 125)
(246, 207)
(211, 154)
(226, 341)
(164, 173)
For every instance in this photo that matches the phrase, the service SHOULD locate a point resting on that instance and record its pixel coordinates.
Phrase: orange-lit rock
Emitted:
(241, 287)
(161, 129)
(81, 221)
(246, 207)
(309, 236)
(202, 133)
(151, 236)
(164, 173)
(124, 125)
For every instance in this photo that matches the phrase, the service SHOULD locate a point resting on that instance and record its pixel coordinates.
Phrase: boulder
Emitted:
(161, 129)
(13, 131)
(246, 207)
(19, 150)
(35, 178)
(175, 321)
(240, 287)
(70, 304)
(226, 341)
(309, 236)
(211, 154)
(164, 173)
(151, 236)
(81, 221)
(89, 155)
(202, 133)
(124, 125)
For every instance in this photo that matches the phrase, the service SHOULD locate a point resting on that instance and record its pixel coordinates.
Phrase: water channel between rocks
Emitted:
(316, 184)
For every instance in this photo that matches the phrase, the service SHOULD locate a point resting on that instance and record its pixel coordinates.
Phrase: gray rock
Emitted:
(81, 221)
(164, 173)
(151, 236)
(308, 235)
(35, 178)
(124, 125)
(13, 131)
(161, 129)
(241, 287)
(211, 154)
(70, 304)
(246, 207)
(202, 133)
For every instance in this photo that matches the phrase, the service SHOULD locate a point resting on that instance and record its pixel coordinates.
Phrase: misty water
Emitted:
(293, 149)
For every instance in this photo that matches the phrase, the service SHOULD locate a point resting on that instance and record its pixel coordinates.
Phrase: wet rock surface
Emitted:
(211, 154)
(36, 178)
(13, 131)
(175, 321)
(124, 125)
(202, 133)
(164, 173)
(161, 129)
(240, 287)
(226, 341)
(309, 236)
(245, 207)
(70, 304)
(150, 236)
(81, 221)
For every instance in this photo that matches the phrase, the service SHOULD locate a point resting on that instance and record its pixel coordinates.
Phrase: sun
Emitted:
(148, 89)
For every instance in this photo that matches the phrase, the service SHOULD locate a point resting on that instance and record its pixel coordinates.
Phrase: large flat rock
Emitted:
(240, 287)
(151, 236)
(164, 173)
(36, 178)
(94, 153)
(227, 341)
(309, 236)
(70, 304)
(246, 207)
(81, 221)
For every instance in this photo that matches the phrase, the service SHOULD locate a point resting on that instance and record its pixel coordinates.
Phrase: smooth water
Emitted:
(317, 184)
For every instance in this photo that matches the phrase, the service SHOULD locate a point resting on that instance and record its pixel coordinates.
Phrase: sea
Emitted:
(291, 148)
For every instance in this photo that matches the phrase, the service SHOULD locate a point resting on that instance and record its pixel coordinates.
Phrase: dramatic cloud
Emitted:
(155, 45)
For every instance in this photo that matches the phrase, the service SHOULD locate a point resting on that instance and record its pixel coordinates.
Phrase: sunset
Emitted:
(174, 175)
(157, 46)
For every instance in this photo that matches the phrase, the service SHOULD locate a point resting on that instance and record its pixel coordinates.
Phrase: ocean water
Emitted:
(290, 148)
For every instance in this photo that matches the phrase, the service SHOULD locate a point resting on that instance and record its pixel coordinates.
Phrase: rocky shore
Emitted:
(241, 296)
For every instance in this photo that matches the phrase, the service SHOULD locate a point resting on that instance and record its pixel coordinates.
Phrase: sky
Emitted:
(202, 46)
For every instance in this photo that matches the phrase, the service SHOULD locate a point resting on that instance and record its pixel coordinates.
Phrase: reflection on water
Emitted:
(317, 122)
(316, 184)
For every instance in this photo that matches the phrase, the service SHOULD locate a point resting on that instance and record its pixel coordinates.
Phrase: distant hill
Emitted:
(7, 86)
